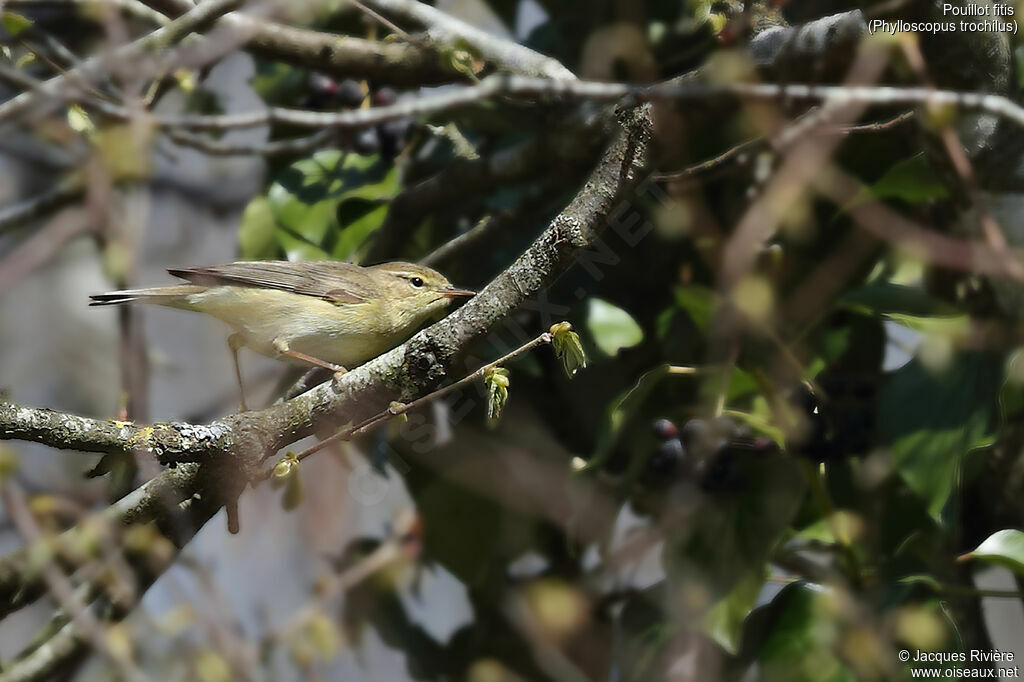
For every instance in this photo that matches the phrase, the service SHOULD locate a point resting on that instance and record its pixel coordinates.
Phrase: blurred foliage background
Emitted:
(788, 469)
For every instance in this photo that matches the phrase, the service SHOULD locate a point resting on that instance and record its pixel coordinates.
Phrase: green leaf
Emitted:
(79, 120)
(723, 622)
(327, 206)
(699, 304)
(736, 528)
(497, 383)
(759, 423)
(803, 638)
(611, 327)
(568, 348)
(913, 180)
(929, 581)
(846, 524)
(1003, 548)
(886, 298)
(358, 218)
(14, 23)
(256, 240)
(622, 411)
(931, 420)
(1011, 393)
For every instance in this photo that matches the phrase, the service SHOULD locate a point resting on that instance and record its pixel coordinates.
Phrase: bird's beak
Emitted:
(456, 293)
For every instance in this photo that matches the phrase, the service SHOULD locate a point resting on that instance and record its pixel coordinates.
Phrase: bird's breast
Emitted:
(344, 334)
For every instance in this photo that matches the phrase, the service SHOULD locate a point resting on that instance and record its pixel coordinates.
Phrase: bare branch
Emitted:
(403, 373)
(157, 499)
(229, 451)
(291, 147)
(96, 67)
(61, 194)
(448, 30)
(132, 7)
(395, 410)
(70, 432)
(394, 63)
(45, 661)
(40, 247)
(63, 592)
(520, 86)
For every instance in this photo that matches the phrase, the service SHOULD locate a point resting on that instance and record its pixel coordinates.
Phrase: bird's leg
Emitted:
(282, 347)
(235, 341)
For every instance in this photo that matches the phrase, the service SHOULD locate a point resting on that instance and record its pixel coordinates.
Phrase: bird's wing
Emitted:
(337, 282)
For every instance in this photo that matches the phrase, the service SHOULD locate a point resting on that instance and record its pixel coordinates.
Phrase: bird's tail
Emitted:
(170, 296)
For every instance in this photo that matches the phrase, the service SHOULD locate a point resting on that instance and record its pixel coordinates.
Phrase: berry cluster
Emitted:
(387, 139)
(705, 451)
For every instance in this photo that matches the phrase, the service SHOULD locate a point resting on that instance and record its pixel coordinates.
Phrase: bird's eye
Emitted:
(416, 281)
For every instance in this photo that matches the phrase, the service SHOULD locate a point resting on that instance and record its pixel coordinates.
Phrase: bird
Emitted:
(322, 313)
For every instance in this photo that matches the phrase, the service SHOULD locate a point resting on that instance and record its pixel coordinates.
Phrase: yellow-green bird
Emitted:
(324, 313)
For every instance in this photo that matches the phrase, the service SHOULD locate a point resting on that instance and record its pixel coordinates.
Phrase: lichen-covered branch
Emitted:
(71, 432)
(227, 454)
(402, 373)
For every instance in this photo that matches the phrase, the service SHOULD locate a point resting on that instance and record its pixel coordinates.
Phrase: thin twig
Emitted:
(342, 56)
(957, 154)
(382, 20)
(702, 168)
(520, 86)
(62, 193)
(40, 247)
(63, 592)
(132, 7)
(97, 67)
(396, 409)
(292, 147)
(387, 553)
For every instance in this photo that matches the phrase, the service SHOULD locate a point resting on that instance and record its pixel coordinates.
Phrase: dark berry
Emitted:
(323, 85)
(695, 431)
(391, 137)
(724, 427)
(668, 458)
(384, 97)
(350, 93)
(664, 429)
(721, 473)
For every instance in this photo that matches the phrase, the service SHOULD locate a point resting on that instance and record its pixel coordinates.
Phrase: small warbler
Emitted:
(333, 315)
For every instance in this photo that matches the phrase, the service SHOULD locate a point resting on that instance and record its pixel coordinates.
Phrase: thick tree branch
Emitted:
(401, 373)
(230, 450)
(71, 432)
(396, 63)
